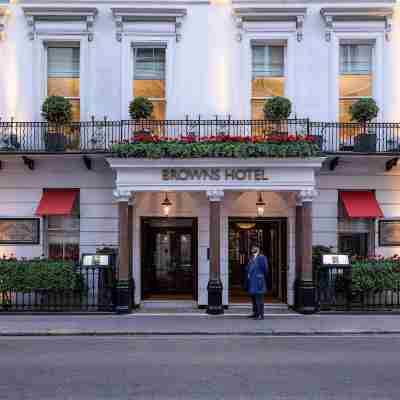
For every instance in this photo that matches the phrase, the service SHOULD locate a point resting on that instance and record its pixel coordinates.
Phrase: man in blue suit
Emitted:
(257, 271)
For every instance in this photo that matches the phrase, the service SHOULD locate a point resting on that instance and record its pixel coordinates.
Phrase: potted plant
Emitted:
(277, 109)
(363, 111)
(141, 109)
(57, 111)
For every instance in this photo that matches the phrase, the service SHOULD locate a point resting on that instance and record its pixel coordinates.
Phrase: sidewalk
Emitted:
(196, 324)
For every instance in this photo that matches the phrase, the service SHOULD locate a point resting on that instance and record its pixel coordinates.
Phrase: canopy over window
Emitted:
(361, 204)
(57, 202)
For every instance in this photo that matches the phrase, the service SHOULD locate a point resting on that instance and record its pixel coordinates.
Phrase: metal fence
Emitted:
(335, 292)
(99, 136)
(96, 294)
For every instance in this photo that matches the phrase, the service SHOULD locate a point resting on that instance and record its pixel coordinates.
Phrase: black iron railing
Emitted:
(95, 294)
(99, 136)
(335, 292)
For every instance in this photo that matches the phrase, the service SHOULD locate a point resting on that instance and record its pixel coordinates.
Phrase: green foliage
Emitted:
(57, 110)
(277, 108)
(141, 108)
(375, 275)
(182, 150)
(30, 275)
(364, 110)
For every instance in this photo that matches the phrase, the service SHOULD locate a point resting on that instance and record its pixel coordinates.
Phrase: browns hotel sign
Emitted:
(213, 174)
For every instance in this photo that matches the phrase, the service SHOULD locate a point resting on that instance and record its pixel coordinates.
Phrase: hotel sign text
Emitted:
(213, 174)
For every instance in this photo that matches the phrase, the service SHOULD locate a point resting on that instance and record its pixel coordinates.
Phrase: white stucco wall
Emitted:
(209, 68)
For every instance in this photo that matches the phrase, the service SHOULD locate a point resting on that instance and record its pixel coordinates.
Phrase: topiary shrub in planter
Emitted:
(57, 111)
(364, 111)
(277, 109)
(141, 108)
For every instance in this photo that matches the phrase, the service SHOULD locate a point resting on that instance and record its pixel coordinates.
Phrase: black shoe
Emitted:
(260, 317)
(255, 317)
(251, 316)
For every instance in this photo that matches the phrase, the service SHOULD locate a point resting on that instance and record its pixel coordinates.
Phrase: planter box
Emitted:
(365, 143)
(55, 142)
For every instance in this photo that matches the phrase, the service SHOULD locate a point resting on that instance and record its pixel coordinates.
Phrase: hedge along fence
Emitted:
(32, 275)
(154, 147)
(376, 275)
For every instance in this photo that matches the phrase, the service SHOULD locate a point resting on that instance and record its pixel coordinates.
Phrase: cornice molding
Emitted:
(280, 14)
(60, 14)
(173, 15)
(337, 14)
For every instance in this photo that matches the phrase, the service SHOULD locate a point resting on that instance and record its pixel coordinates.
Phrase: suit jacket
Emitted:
(257, 271)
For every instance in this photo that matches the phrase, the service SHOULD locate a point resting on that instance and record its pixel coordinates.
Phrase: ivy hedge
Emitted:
(217, 147)
(30, 275)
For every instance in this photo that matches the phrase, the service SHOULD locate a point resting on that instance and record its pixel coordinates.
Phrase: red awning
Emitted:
(57, 202)
(361, 204)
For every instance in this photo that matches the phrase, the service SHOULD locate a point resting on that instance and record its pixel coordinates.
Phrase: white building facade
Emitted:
(206, 60)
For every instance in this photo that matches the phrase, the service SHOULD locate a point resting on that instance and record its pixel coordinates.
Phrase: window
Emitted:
(356, 236)
(63, 74)
(355, 76)
(149, 77)
(268, 76)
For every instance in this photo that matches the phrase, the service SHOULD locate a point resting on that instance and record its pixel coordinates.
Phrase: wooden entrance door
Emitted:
(271, 236)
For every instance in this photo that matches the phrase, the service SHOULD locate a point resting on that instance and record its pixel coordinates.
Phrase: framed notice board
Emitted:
(389, 232)
(19, 230)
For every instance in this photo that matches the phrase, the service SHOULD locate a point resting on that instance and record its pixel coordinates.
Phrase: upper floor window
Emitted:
(356, 76)
(268, 76)
(149, 77)
(63, 74)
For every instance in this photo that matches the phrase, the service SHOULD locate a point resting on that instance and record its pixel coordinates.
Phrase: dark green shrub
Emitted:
(141, 108)
(277, 108)
(30, 275)
(57, 110)
(364, 110)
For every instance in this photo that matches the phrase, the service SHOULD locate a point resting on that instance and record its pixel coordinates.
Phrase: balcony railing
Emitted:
(99, 136)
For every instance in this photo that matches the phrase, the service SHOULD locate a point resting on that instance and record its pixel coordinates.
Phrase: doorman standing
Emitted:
(257, 271)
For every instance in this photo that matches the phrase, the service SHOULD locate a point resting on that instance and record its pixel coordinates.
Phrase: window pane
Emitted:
(149, 88)
(149, 63)
(257, 109)
(355, 86)
(268, 87)
(344, 106)
(159, 110)
(67, 87)
(268, 61)
(63, 62)
(355, 59)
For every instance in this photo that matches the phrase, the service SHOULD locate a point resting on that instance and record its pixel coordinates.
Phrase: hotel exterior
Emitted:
(183, 227)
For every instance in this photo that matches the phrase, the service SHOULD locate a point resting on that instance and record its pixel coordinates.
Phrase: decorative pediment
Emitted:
(60, 20)
(294, 16)
(146, 20)
(333, 17)
(3, 14)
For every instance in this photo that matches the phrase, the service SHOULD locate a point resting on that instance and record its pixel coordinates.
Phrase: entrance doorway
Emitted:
(270, 234)
(169, 258)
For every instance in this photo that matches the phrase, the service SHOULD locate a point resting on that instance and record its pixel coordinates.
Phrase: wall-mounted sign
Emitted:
(389, 233)
(335, 259)
(213, 174)
(19, 230)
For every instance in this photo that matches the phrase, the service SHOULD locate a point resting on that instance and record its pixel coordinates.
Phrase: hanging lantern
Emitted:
(260, 205)
(166, 204)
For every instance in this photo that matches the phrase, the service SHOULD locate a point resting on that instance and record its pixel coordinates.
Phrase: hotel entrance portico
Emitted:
(214, 192)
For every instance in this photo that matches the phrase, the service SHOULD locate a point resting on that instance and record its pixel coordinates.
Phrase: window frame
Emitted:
(352, 98)
(68, 45)
(40, 72)
(378, 39)
(255, 43)
(151, 46)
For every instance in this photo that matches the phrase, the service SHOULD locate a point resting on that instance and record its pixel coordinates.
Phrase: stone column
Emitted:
(125, 286)
(214, 286)
(305, 294)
